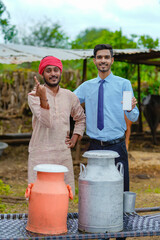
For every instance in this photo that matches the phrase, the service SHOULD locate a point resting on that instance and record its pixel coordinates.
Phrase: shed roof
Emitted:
(16, 54)
(138, 56)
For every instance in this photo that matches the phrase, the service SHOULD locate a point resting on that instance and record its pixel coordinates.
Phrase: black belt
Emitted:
(107, 143)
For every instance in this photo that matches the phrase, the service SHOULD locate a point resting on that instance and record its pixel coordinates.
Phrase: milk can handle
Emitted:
(28, 191)
(82, 170)
(70, 191)
(121, 169)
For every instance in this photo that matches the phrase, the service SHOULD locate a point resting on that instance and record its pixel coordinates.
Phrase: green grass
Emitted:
(4, 188)
(152, 190)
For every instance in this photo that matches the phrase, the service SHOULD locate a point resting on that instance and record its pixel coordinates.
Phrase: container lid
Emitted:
(50, 168)
(3, 145)
(100, 154)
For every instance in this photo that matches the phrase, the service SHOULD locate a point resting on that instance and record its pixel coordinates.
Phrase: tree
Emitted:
(8, 31)
(45, 34)
(147, 42)
(91, 37)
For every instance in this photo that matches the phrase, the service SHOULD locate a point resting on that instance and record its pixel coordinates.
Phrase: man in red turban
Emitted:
(50, 61)
(52, 107)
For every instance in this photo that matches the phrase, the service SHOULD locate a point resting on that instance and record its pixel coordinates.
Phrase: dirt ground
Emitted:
(144, 164)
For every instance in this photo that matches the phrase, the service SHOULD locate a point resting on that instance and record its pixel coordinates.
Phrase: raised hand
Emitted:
(40, 91)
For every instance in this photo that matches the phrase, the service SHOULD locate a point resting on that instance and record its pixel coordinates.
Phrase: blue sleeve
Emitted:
(80, 93)
(128, 87)
(133, 115)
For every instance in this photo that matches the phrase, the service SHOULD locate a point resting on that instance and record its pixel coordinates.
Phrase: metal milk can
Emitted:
(48, 200)
(101, 193)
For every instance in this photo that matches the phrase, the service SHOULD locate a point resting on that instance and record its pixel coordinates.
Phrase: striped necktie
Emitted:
(100, 113)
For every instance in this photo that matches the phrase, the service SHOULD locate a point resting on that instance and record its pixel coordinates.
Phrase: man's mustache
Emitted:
(103, 64)
(53, 77)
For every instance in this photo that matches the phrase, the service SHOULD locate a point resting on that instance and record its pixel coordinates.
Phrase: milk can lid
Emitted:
(100, 154)
(3, 145)
(50, 168)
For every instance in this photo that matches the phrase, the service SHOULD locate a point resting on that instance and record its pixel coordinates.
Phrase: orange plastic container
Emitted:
(48, 200)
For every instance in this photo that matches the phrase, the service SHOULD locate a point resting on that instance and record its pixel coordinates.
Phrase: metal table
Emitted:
(12, 226)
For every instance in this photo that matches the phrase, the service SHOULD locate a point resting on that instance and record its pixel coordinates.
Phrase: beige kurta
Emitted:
(47, 144)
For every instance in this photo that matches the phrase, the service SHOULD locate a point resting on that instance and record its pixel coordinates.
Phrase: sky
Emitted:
(132, 17)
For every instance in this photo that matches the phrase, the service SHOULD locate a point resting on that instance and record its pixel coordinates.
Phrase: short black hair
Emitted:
(101, 47)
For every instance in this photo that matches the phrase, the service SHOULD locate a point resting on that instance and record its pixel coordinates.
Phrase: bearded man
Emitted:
(52, 107)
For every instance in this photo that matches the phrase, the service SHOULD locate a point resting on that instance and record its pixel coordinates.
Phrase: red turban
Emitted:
(50, 60)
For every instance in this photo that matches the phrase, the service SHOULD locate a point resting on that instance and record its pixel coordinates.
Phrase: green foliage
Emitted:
(124, 70)
(70, 85)
(8, 31)
(152, 190)
(8, 67)
(91, 37)
(2, 207)
(150, 82)
(152, 88)
(33, 66)
(4, 188)
(91, 69)
(147, 42)
(76, 195)
(157, 190)
(45, 34)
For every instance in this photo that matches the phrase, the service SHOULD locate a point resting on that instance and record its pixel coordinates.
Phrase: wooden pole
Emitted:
(84, 77)
(139, 101)
(78, 145)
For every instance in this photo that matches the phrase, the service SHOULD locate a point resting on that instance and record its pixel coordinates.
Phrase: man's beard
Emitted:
(101, 70)
(52, 84)
(104, 70)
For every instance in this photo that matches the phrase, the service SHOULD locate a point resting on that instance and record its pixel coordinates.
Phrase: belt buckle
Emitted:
(105, 144)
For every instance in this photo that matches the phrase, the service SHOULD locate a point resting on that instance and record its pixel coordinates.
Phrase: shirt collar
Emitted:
(50, 91)
(107, 79)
